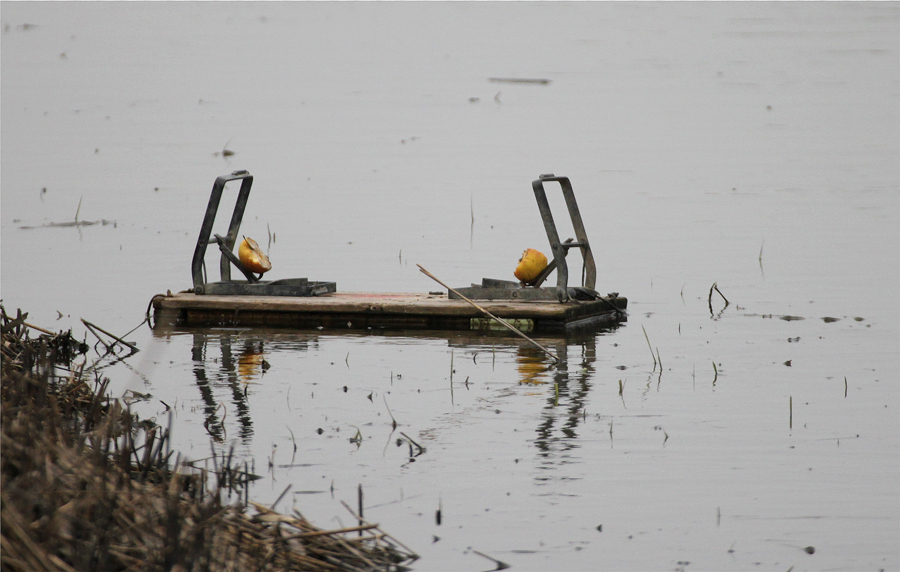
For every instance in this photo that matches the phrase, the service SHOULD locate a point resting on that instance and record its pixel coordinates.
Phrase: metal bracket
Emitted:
(253, 286)
(561, 249)
(491, 289)
(226, 242)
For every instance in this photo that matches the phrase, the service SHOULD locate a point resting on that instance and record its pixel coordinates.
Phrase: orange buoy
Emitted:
(530, 265)
(252, 257)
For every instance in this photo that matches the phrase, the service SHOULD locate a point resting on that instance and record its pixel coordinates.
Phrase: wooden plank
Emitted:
(355, 310)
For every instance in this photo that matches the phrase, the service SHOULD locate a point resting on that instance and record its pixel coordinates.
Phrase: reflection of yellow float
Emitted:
(251, 364)
(532, 366)
(252, 257)
(530, 265)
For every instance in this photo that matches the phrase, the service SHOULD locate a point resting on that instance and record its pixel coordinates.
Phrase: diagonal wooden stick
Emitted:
(501, 320)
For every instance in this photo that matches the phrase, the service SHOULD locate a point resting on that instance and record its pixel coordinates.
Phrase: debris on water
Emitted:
(810, 550)
(791, 318)
(77, 223)
(828, 319)
(499, 563)
(225, 152)
(540, 81)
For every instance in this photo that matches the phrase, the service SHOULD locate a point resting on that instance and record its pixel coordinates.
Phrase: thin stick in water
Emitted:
(490, 315)
(360, 498)
(760, 254)
(500, 564)
(716, 286)
(394, 421)
(646, 337)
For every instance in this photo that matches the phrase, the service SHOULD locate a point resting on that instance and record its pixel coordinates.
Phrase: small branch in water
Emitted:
(394, 421)
(720, 294)
(716, 288)
(360, 498)
(451, 367)
(646, 337)
(472, 224)
(488, 314)
(93, 327)
(716, 372)
(294, 441)
(500, 564)
(760, 255)
(281, 496)
(420, 447)
(541, 81)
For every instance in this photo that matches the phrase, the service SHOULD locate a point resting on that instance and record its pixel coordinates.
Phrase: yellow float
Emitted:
(530, 265)
(252, 257)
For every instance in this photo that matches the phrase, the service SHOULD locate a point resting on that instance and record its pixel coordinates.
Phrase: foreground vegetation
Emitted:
(87, 486)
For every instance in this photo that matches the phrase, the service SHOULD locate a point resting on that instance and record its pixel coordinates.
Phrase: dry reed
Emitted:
(88, 486)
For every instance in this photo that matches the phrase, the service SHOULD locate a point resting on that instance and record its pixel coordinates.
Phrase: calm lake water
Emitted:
(754, 146)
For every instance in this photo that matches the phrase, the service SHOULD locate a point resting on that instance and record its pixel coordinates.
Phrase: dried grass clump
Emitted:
(85, 486)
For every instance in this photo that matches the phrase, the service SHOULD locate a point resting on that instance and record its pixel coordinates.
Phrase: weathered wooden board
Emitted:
(362, 310)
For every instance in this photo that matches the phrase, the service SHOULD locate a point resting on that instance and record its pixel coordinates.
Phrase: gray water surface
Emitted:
(750, 145)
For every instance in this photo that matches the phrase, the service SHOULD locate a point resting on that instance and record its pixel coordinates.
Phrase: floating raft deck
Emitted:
(360, 310)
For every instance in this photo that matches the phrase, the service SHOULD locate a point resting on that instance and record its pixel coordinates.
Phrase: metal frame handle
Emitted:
(561, 249)
(226, 242)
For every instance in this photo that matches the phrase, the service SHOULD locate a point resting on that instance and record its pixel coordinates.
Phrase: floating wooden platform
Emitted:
(361, 310)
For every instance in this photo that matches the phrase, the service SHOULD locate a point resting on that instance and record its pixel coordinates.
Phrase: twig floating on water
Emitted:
(500, 564)
(716, 288)
(420, 447)
(92, 327)
(720, 294)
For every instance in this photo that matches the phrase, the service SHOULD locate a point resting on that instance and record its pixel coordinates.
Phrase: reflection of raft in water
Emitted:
(301, 303)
